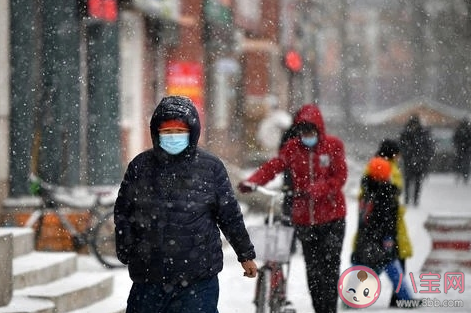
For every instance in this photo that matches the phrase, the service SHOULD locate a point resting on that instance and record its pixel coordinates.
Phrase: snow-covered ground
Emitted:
(441, 194)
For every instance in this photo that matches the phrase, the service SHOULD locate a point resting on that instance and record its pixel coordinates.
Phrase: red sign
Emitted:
(106, 10)
(186, 79)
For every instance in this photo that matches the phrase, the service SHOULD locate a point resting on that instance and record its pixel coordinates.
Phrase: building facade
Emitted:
(84, 78)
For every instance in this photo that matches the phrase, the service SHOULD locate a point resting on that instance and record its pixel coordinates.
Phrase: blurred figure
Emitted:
(462, 144)
(417, 151)
(389, 150)
(316, 162)
(272, 127)
(287, 204)
(290, 133)
(376, 244)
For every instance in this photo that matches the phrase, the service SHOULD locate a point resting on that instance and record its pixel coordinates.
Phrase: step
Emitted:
(23, 239)
(72, 292)
(108, 305)
(117, 301)
(28, 305)
(38, 268)
(6, 268)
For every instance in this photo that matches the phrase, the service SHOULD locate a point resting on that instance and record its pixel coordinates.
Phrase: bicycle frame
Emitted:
(56, 199)
(271, 288)
(50, 205)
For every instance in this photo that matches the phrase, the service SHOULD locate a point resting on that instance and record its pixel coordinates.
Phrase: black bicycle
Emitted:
(273, 244)
(98, 232)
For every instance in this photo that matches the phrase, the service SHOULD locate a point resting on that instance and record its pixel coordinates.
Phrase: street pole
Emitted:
(60, 103)
(103, 132)
(23, 82)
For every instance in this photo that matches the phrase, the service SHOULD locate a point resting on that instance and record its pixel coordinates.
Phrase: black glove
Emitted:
(286, 220)
(245, 187)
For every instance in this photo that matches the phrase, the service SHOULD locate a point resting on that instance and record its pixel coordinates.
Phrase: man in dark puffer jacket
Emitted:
(172, 202)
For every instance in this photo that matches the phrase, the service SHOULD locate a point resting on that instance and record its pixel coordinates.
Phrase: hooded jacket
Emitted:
(318, 173)
(170, 208)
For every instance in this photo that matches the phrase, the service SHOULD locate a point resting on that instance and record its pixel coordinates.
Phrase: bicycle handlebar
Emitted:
(38, 185)
(267, 191)
(80, 199)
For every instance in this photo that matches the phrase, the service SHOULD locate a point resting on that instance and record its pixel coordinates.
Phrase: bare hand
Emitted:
(250, 268)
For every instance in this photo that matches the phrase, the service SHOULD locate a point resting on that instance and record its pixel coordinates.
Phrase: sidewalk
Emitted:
(440, 194)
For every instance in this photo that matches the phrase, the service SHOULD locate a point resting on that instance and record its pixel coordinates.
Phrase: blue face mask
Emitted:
(309, 141)
(174, 143)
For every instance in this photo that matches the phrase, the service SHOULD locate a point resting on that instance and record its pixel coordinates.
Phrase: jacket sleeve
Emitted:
(229, 217)
(267, 171)
(122, 211)
(338, 169)
(403, 240)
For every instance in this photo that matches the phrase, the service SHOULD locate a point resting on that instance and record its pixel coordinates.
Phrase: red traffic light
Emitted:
(293, 61)
(106, 10)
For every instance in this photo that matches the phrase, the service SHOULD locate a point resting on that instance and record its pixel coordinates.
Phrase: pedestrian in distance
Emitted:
(376, 244)
(272, 127)
(290, 133)
(417, 150)
(287, 205)
(316, 162)
(389, 151)
(173, 202)
(462, 145)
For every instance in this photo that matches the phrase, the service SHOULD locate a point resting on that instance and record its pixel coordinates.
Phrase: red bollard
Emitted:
(451, 243)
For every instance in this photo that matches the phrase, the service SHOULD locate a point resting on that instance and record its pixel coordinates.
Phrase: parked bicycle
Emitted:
(98, 231)
(272, 242)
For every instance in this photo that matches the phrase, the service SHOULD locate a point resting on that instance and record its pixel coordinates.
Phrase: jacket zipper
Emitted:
(311, 181)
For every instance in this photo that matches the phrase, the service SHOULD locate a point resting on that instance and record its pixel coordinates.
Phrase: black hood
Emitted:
(179, 108)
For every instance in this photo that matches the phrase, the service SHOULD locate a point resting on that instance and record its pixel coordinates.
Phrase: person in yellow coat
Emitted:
(389, 150)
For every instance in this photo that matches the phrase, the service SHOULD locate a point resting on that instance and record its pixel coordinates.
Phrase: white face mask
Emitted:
(174, 143)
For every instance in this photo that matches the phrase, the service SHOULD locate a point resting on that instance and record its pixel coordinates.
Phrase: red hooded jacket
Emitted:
(318, 173)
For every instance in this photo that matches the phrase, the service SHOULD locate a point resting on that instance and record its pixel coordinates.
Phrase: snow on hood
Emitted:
(180, 108)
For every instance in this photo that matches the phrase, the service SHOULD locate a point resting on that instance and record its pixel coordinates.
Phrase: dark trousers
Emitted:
(462, 165)
(413, 186)
(200, 297)
(322, 246)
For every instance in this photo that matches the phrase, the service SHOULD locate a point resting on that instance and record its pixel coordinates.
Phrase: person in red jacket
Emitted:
(316, 161)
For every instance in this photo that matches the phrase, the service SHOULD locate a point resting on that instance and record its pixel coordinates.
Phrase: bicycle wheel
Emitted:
(277, 285)
(262, 291)
(103, 242)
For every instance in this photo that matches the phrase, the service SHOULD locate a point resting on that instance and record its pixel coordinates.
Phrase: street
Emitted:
(441, 194)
